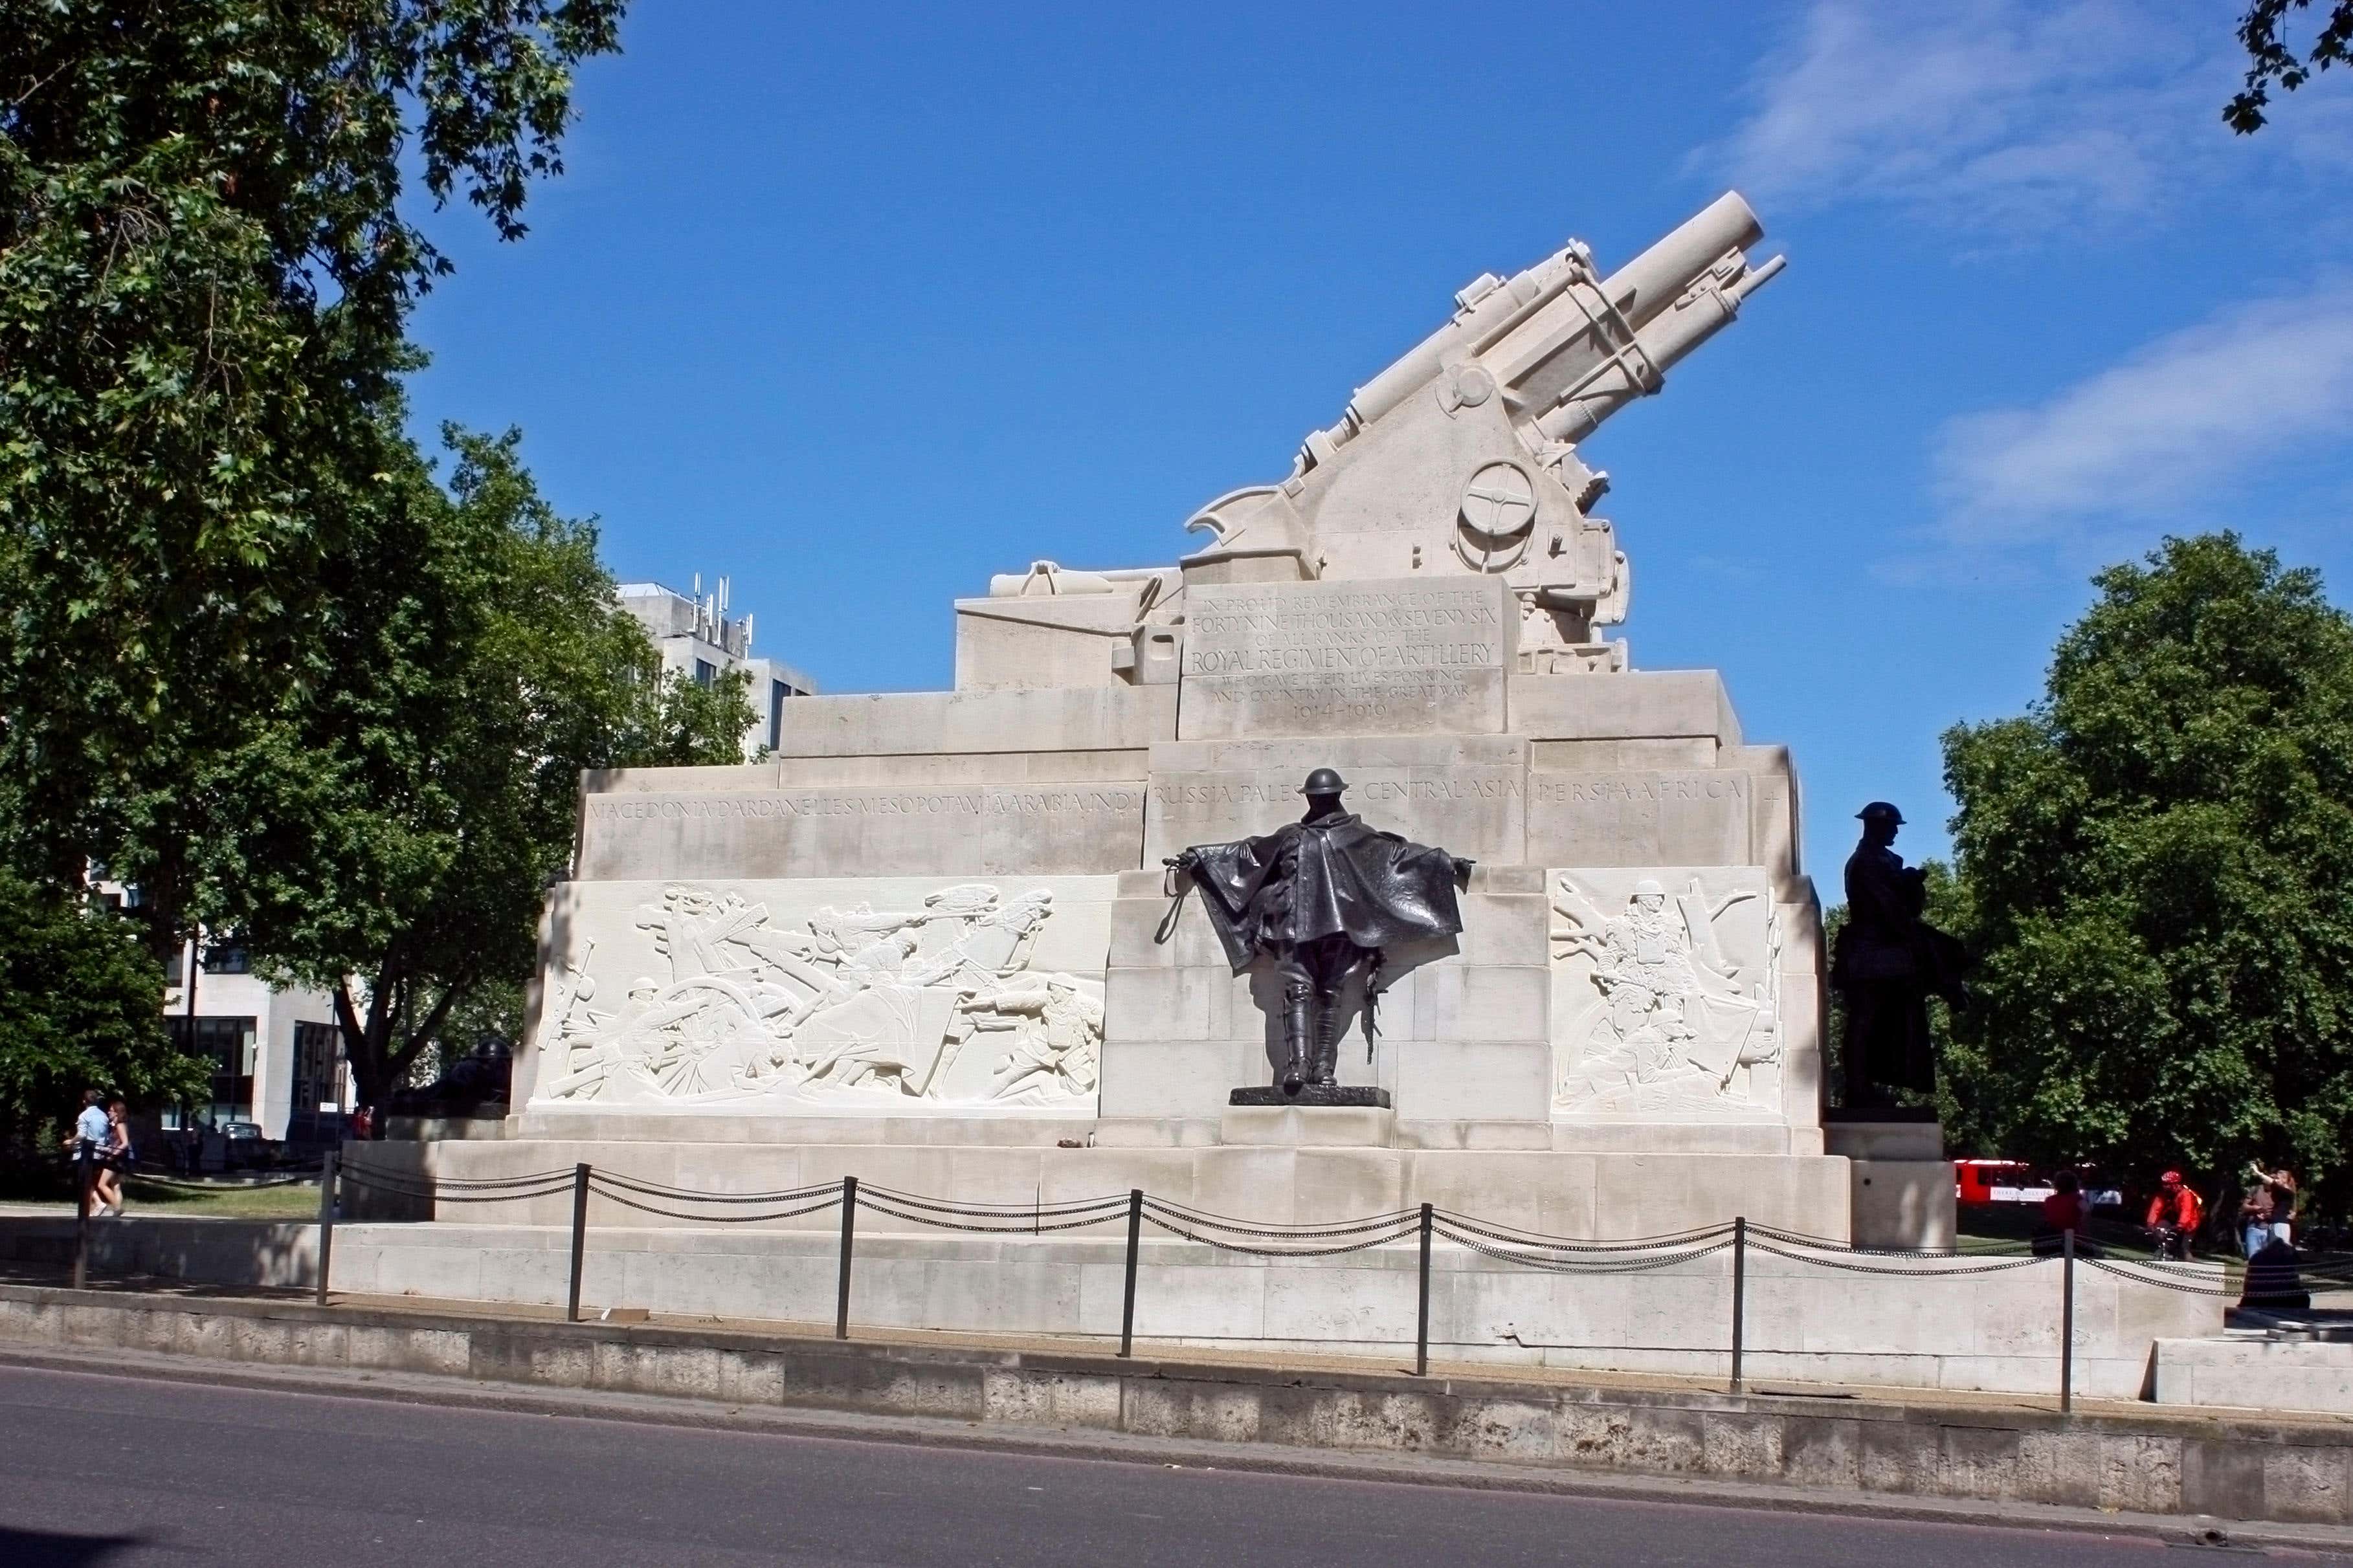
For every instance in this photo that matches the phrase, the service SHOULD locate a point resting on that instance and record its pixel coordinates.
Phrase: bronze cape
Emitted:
(1323, 899)
(1343, 878)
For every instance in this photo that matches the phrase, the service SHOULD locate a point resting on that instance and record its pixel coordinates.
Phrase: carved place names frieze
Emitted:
(1623, 789)
(984, 801)
(1278, 790)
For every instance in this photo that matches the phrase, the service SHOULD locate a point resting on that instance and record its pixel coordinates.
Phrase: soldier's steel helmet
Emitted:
(1881, 809)
(1323, 781)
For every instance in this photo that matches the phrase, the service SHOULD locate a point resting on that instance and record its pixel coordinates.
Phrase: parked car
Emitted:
(246, 1148)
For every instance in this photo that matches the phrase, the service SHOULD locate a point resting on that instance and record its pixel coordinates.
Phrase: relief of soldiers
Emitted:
(1321, 899)
(861, 999)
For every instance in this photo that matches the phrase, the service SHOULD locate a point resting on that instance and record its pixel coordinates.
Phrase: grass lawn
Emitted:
(297, 1201)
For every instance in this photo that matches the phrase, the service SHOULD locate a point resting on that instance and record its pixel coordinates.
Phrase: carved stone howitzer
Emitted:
(1463, 453)
(1460, 458)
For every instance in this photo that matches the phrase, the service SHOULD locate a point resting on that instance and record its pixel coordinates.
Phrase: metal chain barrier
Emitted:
(2128, 1270)
(1561, 1244)
(1519, 1248)
(1828, 1243)
(659, 1190)
(1113, 1209)
(1398, 1232)
(141, 1171)
(1009, 1211)
(2002, 1266)
(376, 1181)
(1157, 1209)
(831, 1200)
(1599, 1265)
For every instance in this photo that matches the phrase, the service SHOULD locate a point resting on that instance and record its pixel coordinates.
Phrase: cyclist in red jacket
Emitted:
(2175, 1212)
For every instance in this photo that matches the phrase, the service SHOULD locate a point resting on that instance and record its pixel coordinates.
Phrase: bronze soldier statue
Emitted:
(1322, 898)
(1889, 963)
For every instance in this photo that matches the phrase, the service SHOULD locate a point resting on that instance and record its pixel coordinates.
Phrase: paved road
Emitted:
(108, 1472)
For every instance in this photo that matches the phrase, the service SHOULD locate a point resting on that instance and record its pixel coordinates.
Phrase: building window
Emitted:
(705, 672)
(315, 1107)
(229, 1044)
(226, 958)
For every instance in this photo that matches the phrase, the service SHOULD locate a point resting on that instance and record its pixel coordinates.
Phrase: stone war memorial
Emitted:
(935, 943)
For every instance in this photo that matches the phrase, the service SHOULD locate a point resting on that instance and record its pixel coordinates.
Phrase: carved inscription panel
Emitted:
(1403, 656)
(1047, 829)
(1468, 794)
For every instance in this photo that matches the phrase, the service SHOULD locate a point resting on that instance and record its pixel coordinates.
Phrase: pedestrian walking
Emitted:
(113, 1158)
(87, 1143)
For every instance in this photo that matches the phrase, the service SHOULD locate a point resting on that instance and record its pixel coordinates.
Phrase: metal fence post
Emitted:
(2066, 1320)
(1739, 1291)
(1421, 1332)
(83, 1175)
(1134, 1241)
(849, 1233)
(579, 1240)
(326, 1220)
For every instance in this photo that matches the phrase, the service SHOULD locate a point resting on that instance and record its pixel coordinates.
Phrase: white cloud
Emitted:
(2158, 434)
(1997, 117)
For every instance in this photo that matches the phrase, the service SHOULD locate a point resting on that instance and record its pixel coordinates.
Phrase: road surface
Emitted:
(114, 1472)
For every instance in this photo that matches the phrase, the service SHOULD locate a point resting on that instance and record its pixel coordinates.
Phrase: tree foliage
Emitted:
(394, 833)
(2156, 870)
(205, 272)
(77, 1010)
(2274, 61)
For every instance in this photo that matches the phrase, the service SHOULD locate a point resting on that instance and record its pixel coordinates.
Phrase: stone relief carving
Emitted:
(859, 1006)
(1664, 1003)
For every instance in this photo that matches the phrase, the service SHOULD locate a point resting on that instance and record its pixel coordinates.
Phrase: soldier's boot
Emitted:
(1328, 1045)
(1298, 1026)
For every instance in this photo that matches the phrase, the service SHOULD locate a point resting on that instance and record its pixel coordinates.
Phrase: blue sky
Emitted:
(859, 305)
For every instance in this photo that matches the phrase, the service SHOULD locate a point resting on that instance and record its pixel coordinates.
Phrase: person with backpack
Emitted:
(2175, 1212)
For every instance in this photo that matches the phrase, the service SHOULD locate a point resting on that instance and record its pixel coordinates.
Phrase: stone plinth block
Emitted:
(1467, 795)
(1042, 828)
(1399, 655)
(1304, 1123)
(1320, 1095)
(1648, 705)
(1858, 1139)
(913, 723)
(1698, 816)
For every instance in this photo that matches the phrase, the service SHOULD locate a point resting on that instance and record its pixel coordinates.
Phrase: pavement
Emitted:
(113, 1471)
(14, 1272)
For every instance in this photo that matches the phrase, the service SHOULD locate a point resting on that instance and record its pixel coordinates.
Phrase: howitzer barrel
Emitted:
(1569, 348)
(1592, 333)
(1662, 341)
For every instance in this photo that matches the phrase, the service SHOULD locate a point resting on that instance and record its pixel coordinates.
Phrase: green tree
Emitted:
(2156, 872)
(398, 827)
(2273, 61)
(77, 1010)
(205, 272)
